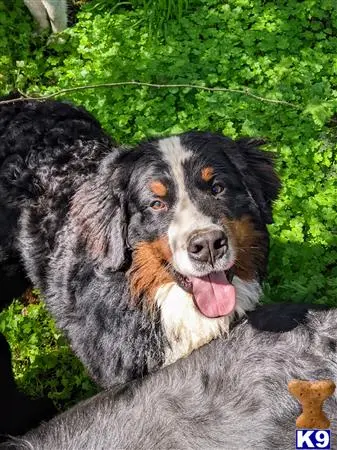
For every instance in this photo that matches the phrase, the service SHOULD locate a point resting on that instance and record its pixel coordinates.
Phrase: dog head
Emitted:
(191, 212)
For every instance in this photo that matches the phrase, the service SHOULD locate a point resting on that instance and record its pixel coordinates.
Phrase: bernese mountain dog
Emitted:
(142, 254)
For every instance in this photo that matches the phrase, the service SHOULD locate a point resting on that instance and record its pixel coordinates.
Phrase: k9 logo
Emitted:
(313, 439)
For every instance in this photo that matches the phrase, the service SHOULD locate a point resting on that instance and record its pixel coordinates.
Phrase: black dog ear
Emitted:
(98, 213)
(258, 174)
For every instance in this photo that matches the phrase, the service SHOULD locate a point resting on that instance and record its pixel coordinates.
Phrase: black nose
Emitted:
(207, 246)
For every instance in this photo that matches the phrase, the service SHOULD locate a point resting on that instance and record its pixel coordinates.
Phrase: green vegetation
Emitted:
(283, 51)
(44, 364)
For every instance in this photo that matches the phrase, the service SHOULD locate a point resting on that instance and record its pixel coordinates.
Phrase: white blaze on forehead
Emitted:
(187, 218)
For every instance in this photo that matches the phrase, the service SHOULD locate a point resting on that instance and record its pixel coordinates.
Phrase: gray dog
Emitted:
(230, 394)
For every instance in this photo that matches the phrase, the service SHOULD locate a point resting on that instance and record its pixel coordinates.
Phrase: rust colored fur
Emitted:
(148, 271)
(158, 188)
(207, 173)
(250, 247)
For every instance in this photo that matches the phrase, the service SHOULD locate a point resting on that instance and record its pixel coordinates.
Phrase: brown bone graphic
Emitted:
(311, 395)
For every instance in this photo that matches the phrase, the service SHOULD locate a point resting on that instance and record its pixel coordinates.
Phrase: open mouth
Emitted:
(213, 294)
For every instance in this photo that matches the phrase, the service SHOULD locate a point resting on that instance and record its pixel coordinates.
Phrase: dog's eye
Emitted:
(217, 189)
(158, 205)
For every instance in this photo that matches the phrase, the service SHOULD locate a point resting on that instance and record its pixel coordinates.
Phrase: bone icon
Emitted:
(311, 395)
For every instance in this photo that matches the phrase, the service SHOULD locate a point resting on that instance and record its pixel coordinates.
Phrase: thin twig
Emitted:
(246, 91)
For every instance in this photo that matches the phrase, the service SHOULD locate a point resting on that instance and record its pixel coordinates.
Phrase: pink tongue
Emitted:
(213, 294)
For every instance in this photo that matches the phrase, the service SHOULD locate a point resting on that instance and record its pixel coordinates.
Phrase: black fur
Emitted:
(255, 168)
(281, 317)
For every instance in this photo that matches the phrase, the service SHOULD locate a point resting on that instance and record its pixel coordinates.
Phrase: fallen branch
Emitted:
(245, 91)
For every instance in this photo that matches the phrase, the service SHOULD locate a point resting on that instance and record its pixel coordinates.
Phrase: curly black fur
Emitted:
(48, 151)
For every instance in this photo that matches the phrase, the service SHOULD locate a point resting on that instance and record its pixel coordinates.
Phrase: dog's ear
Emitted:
(98, 213)
(258, 174)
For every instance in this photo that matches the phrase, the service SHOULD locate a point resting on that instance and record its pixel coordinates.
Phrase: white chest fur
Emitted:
(186, 328)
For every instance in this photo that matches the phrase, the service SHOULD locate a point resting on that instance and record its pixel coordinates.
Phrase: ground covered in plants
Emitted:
(277, 60)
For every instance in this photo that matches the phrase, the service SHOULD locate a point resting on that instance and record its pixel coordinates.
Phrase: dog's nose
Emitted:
(207, 246)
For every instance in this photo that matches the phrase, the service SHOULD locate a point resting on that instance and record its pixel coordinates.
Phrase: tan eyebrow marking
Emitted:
(158, 188)
(207, 173)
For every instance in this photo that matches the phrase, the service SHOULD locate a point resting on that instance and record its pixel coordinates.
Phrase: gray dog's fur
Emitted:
(230, 394)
